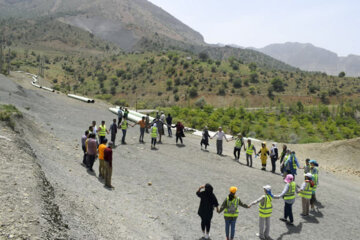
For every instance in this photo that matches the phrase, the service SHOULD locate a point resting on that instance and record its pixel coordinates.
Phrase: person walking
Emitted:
(169, 124)
(291, 164)
(124, 126)
(274, 156)
(120, 116)
(231, 212)
(83, 145)
(205, 138)
(179, 132)
(101, 149)
(154, 134)
(239, 142)
(264, 153)
(102, 131)
(250, 149)
(108, 157)
(282, 157)
(305, 192)
(113, 131)
(289, 198)
(142, 124)
(265, 210)
(219, 141)
(207, 204)
(314, 170)
(91, 151)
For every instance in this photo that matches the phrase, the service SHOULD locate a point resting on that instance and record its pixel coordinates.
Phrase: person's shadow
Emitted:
(291, 230)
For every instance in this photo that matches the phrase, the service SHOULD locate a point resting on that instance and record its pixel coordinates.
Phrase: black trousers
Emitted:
(249, 160)
(273, 164)
(178, 136)
(205, 224)
(90, 161)
(237, 152)
(288, 212)
(119, 121)
(153, 141)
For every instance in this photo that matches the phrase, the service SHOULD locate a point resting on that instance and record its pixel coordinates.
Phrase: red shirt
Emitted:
(108, 155)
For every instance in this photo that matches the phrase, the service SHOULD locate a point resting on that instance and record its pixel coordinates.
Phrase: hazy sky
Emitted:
(330, 24)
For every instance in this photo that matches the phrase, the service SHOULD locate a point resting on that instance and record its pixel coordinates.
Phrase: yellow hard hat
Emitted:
(233, 190)
(264, 143)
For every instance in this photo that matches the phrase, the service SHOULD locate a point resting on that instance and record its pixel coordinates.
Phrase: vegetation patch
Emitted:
(8, 113)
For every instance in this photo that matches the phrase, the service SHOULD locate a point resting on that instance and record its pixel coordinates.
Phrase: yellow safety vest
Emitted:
(124, 125)
(307, 192)
(102, 131)
(238, 143)
(232, 209)
(265, 210)
(315, 172)
(250, 150)
(154, 132)
(291, 192)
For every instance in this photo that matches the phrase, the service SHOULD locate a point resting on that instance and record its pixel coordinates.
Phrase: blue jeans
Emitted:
(230, 223)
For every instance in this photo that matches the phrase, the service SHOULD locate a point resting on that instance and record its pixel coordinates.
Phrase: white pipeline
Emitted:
(84, 99)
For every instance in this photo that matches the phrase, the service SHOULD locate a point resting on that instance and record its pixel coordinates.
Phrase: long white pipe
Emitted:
(84, 99)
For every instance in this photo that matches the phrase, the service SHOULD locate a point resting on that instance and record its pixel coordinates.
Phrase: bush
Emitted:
(277, 85)
(237, 83)
(193, 92)
(200, 102)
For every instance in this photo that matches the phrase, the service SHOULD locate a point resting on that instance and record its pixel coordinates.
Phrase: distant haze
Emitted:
(329, 24)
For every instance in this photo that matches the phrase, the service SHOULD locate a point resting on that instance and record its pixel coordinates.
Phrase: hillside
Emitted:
(311, 58)
(50, 195)
(123, 22)
(131, 25)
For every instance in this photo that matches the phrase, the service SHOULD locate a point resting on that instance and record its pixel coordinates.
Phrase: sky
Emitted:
(330, 24)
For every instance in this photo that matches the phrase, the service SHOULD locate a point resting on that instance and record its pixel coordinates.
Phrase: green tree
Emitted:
(252, 67)
(342, 74)
(278, 85)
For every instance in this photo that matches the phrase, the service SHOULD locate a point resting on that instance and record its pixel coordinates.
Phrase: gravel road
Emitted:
(167, 209)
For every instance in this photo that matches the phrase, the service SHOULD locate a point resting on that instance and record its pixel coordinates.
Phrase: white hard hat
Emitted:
(267, 187)
(309, 175)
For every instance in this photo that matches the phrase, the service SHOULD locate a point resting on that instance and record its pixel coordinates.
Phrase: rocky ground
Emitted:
(67, 202)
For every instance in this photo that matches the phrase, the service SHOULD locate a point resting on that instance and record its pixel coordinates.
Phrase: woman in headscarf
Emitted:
(205, 137)
(207, 203)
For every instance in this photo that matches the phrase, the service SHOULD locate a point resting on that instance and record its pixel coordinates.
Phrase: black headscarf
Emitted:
(209, 189)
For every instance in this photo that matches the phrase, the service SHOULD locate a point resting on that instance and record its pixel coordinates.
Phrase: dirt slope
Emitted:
(168, 208)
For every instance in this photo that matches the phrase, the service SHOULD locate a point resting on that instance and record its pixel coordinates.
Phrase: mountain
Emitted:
(133, 25)
(311, 58)
(123, 22)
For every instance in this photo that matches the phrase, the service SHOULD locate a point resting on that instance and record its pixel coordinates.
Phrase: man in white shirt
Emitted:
(219, 140)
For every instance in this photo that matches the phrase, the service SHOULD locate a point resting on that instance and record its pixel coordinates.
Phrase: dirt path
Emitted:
(168, 208)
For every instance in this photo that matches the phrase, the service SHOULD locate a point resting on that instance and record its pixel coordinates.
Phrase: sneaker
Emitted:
(258, 235)
(283, 219)
(290, 223)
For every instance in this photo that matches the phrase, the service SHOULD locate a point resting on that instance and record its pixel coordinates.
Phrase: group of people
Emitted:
(156, 127)
(96, 145)
(230, 205)
(288, 160)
